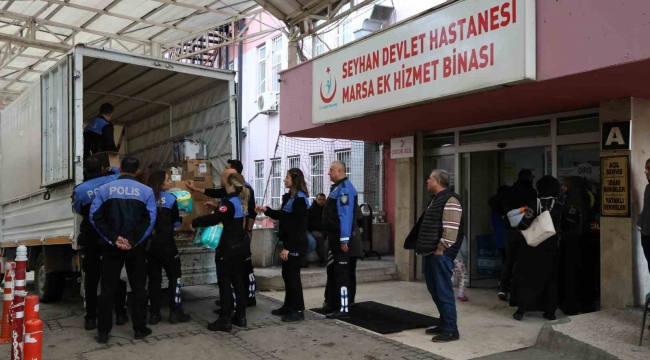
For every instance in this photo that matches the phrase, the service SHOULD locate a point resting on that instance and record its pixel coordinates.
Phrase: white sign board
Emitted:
(467, 46)
(401, 148)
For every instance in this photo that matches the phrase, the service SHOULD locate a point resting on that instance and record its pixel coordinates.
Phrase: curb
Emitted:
(553, 340)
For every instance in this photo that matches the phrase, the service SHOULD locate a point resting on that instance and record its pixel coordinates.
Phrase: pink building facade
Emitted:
(566, 73)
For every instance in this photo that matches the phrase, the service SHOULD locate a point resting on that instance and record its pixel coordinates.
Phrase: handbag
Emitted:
(541, 228)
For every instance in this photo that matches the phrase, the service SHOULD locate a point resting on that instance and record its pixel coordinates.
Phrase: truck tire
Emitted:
(49, 287)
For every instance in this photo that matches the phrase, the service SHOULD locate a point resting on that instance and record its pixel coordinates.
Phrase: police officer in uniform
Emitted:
(220, 193)
(124, 213)
(91, 253)
(293, 218)
(163, 253)
(339, 222)
(231, 254)
(99, 133)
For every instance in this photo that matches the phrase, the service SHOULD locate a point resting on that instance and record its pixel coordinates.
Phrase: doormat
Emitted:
(385, 319)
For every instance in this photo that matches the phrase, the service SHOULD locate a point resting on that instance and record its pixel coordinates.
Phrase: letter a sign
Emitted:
(615, 136)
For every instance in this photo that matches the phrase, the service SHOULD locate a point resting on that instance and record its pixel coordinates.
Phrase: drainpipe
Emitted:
(240, 86)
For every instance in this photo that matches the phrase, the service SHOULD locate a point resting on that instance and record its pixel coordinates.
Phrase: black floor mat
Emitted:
(385, 319)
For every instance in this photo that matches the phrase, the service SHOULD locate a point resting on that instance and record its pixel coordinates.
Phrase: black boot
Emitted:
(446, 336)
(518, 315)
(239, 320)
(121, 319)
(154, 319)
(251, 301)
(102, 338)
(294, 316)
(283, 311)
(338, 315)
(178, 316)
(90, 324)
(143, 333)
(220, 325)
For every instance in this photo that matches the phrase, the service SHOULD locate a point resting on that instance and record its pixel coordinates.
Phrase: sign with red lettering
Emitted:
(466, 46)
(401, 148)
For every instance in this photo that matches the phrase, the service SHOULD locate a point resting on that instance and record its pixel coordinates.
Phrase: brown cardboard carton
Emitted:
(200, 181)
(196, 166)
(199, 209)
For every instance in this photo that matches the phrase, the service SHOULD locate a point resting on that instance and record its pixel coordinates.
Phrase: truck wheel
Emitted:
(50, 287)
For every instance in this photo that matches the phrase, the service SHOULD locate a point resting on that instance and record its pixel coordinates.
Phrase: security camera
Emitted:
(501, 145)
(279, 80)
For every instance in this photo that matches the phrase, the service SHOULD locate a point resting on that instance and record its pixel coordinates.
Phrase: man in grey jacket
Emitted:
(644, 218)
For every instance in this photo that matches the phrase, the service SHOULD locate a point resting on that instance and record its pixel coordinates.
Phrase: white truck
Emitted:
(156, 102)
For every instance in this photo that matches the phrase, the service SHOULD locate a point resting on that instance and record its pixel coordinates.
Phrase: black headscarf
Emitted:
(548, 186)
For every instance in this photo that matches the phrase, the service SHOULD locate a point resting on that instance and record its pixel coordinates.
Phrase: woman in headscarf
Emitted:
(536, 271)
(576, 287)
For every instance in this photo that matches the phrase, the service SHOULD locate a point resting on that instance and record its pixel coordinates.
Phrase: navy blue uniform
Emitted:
(250, 275)
(163, 253)
(98, 136)
(293, 232)
(231, 254)
(338, 225)
(89, 239)
(128, 209)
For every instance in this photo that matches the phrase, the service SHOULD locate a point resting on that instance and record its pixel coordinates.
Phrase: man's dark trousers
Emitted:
(113, 260)
(92, 267)
(438, 270)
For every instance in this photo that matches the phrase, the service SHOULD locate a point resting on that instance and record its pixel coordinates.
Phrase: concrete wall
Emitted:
(404, 216)
(624, 278)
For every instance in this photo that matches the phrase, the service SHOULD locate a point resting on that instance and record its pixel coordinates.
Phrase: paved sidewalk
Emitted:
(265, 338)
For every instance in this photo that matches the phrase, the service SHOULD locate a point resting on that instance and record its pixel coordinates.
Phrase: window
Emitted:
(276, 63)
(346, 33)
(537, 129)
(316, 175)
(578, 125)
(294, 162)
(258, 182)
(262, 69)
(345, 156)
(276, 183)
(319, 47)
(438, 141)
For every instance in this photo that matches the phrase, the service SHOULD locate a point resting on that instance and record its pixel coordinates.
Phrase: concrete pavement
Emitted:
(265, 338)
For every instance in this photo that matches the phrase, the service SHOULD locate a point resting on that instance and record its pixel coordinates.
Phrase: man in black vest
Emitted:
(437, 236)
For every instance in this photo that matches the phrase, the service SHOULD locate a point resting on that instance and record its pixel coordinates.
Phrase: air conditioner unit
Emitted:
(267, 102)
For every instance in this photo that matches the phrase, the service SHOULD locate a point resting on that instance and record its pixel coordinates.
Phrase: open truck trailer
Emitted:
(156, 102)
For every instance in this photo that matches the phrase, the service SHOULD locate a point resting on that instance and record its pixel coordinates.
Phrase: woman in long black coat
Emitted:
(536, 271)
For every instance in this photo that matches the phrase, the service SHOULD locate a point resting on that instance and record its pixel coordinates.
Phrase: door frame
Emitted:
(553, 142)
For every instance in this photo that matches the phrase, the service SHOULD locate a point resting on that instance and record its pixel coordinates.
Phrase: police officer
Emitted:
(84, 194)
(231, 254)
(99, 133)
(338, 224)
(124, 213)
(293, 218)
(163, 252)
(218, 194)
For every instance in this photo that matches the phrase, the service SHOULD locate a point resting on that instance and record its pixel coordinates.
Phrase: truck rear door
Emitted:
(56, 124)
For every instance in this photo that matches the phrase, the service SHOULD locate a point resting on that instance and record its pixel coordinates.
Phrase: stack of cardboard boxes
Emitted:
(199, 172)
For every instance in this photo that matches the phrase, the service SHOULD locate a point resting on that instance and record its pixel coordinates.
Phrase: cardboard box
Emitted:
(201, 181)
(199, 210)
(197, 166)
